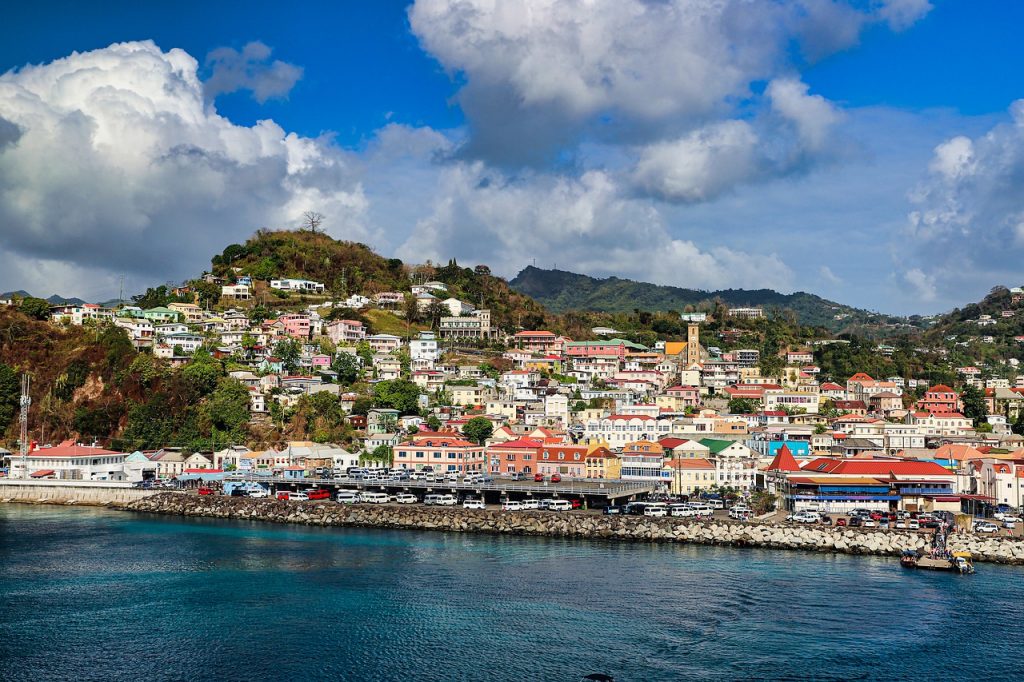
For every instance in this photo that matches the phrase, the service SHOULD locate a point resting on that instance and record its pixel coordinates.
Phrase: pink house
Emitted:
(320, 361)
(296, 326)
(346, 331)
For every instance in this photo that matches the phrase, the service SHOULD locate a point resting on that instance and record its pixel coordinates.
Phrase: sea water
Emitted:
(91, 594)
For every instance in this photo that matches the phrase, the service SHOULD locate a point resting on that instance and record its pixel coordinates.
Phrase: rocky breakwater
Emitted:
(577, 524)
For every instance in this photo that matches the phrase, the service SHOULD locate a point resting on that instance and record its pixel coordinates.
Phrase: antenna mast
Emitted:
(26, 401)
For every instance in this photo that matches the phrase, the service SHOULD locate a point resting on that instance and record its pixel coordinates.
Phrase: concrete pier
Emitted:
(95, 493)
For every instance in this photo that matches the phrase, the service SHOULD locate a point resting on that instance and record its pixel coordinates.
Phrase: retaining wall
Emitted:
(577, 524)
(70, 492)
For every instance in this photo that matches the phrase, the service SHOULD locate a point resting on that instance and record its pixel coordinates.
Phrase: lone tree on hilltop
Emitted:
(311, 220)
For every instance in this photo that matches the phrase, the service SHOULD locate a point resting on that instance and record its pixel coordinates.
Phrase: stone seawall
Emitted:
(71, 492)
(576, 524)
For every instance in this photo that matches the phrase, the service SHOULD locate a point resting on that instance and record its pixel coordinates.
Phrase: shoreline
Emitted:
(820, 539)
(832, 539)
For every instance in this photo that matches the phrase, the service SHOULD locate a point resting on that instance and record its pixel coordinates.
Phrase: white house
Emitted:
(299, 285)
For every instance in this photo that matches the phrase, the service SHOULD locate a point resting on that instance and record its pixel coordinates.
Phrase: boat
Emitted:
(959, 562)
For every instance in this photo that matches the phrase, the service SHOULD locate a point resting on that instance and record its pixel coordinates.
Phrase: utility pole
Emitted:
(26, 401)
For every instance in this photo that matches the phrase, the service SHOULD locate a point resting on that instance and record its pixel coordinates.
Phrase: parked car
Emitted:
(841, 521)
(298, 496)
(205, 491)
(375, 498)
(1009, 522)
(258, 493)
(531, 504)
(406, 498)
(556, 478)
(319, 494)
(347, 497)
(441, 500)
(901, 524)
(517, 476)
(538, 478)
(473, 503)
(576, 503)
(806, 517)
(559, 505)
(869, 523)
(913, 524)
(511, 505)
(855, 522)
(612, 510)
(985, 527)
(826, 519)
(282, 495)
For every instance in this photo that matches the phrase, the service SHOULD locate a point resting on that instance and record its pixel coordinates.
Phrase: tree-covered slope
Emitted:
(561, 291)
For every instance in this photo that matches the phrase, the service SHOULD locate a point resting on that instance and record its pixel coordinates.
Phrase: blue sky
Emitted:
(867, 151)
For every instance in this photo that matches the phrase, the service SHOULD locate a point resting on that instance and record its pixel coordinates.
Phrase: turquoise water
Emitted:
(99, 595)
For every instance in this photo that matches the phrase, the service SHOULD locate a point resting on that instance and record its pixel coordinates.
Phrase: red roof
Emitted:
(206, 471)
(875, 467)
(939, 388)
(71, 449)
(784, 461)
(525, 443)
(535, 334)
(42, 473)
(671, 443)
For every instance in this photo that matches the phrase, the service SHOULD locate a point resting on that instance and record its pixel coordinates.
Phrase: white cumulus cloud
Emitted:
(114, 159)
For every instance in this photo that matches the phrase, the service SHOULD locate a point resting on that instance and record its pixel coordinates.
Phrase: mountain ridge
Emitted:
(560, 291)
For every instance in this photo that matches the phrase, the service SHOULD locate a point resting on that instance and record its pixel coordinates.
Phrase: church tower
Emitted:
(692, 344)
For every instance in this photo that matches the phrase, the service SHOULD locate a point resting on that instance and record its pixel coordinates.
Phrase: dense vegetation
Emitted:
(562, 291)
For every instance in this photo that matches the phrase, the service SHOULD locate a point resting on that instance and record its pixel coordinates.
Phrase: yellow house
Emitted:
(688, 476)
(603, 463)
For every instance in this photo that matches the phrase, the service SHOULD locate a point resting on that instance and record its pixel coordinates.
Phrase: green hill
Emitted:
(561, 291)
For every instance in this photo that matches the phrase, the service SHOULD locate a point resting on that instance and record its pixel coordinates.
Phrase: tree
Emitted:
(434, 312)
(154, 297)
(433, 423)
(311, 220)
(259, 314)
(10, 395)
(36, 308)
(411, 309)
(381, 454)
(974, 404)
(361, 405)
(1018, 424)
(228, 408)
(208, 292)
(365, 353)
(398, 394)
(288, 352)
(201, 377)
(478, 429)
(743, 406)
(347, 367)
(325, 407)
(762, 502)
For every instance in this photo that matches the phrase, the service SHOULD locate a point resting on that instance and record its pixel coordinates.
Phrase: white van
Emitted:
(715, 504)
(406, 498)
(375, 498)
(298, 496)
(701, 509)
(559, 505)
(656, 509)
(511, 505)
(347, 497)
(441, 500)
(530, 504)
(681, 510)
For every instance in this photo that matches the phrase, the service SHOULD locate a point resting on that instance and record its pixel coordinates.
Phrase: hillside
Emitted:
(562, 291)
(348, 268)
